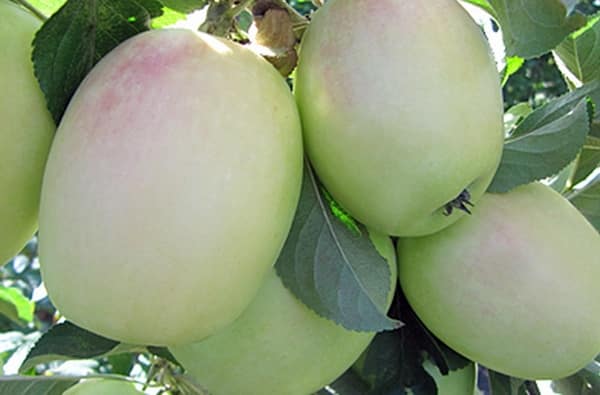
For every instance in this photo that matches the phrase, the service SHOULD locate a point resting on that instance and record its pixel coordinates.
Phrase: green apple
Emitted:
(25, 134)
(514, 286)
(401, 109)
(170, 188)
(103, 387)
(456, 382)
(278, 345)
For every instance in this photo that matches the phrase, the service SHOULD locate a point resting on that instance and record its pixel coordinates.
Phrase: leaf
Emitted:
(47, 7)
(184, 6)
(27, 385)
(588, 159)
(543, 144)
(333, 268)
(76, 37)
(579, 54)
(15, 306)
(514, 115)
(587, 200)
(67, 341)
(484, 5)
(513, 64)
(534, 27)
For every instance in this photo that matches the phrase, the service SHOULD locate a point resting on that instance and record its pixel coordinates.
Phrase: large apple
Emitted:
(170, 188)
(401, 109)
(514, 286)
(278, 345)
(103, 387)
(25, 132)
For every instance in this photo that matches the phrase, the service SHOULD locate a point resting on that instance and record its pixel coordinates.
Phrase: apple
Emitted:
(25, 134)
(514, 286)
(278, 345)
(103, 387)
(456, 382)
(401, 109)
(170, 188)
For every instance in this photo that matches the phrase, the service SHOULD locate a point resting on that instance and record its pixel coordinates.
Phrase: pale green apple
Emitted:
(278, 345)
(170, 188)
(401, 109)
(456, 382)
(514, 286)
(25, 133)
(103, 387)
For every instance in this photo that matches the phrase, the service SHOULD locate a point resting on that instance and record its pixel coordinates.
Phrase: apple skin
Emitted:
(170, 188)
(25, 134)
(456, 382)
(514, 286)
(103, 387)
(401, 109)
(278, 345)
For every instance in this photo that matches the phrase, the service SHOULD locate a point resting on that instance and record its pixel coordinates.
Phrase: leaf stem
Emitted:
(34, 10)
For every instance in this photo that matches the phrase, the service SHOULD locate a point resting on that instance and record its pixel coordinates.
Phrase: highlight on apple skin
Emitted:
(175, 172)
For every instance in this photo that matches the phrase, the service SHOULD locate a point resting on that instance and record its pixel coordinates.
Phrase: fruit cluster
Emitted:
(173, 179)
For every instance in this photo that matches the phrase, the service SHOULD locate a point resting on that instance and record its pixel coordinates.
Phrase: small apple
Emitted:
(103, 387)
(514, 286)
(170, 188)
(25, 134)
(278, 345)
(401, 109)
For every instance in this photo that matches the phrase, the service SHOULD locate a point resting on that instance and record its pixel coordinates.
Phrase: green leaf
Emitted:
(513, 64)
(544, 143)
(47, 7)
(184, 6)
(506, 385)
(533, 27)
(15, 306)
(514, 115)
(67, 341)
(588, 159)
(27, 385)
(76, 37)
(334, 268)
(587, 200)
(578, 56)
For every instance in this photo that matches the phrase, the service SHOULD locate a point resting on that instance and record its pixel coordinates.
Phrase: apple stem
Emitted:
(33, 10)
(460, 203)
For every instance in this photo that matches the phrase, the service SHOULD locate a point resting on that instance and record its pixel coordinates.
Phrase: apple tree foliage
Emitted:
(548, 55)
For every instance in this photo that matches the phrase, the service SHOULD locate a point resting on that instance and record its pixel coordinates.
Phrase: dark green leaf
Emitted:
(587, 201)
(27, 385)
(67, 341)
(542, 148)
(333, 268)
(534, 27)
(76, 37)
(588, 159)
(15, 306)
(579, 54)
